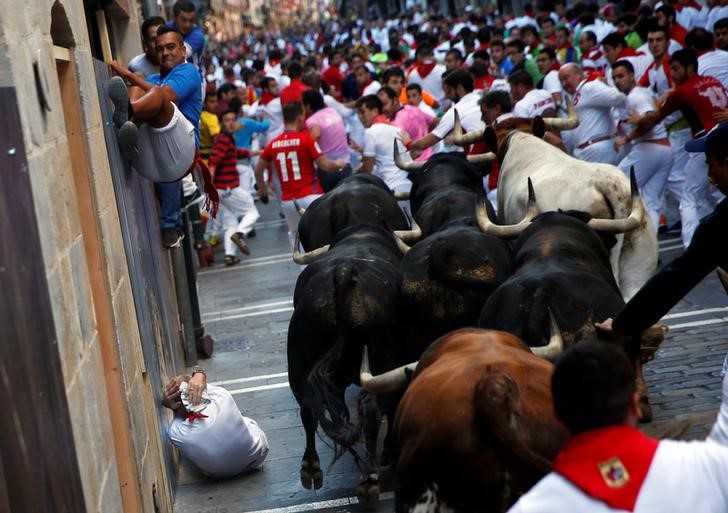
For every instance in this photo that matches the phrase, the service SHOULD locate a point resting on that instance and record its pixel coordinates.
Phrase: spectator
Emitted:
(549, 66)
(415, 97)
(454, 59)
(183, 21)
(666, 18)
(617, 49)
(565, 52)
(365, 81)
(394, 77)
(225, 93)
(515, 50)
(146, 63)
(711, 62)
(592, 57)
(501, 63)
(407, 117)
(529, 102)
(720, 33)
(209, 123)
(294, 90)
(427, 73)
(270, 107)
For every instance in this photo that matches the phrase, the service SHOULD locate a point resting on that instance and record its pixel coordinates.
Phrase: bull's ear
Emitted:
(491, 139)
(538, 127)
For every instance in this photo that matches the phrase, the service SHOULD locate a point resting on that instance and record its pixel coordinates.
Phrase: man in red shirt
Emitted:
(333, 76)
(293, 91)
(699, 98)
(294, 153)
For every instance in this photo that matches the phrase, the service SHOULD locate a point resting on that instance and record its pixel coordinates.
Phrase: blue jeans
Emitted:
(169, 196)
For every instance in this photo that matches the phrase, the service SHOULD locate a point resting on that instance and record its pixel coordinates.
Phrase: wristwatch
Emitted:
(197, 370)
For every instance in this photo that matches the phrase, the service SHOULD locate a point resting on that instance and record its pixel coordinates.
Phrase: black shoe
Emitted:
(231, 260)
(128, 137)
(239, 240)
(251, 233)
(171, 238)
(281, 215)
(119, 95)
(192, 198)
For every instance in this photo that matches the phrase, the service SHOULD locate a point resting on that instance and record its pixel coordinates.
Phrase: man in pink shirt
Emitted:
(327, 128)
(409, 118)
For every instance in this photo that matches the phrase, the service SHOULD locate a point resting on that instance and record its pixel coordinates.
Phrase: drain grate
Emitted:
(227, 346)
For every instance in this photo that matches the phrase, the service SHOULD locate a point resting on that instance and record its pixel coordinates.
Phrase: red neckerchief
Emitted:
(273, 63)
(424, 68)
(381, 118)
(483, 82)
(555, 66)
(645, 80)
(266, 98)
(608, 464)
(192, 415)
(679, 6)
(628, 52)
(361, 89)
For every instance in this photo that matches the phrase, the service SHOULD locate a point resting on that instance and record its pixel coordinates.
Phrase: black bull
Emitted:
(358, 199)
(343, 301)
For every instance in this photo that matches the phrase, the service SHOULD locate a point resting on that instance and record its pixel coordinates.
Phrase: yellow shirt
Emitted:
(209, 128)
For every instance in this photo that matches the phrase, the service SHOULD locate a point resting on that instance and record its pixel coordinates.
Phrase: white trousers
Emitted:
(676, 178)
(239, 214)
(602, 151)
(699, 198)
(293, 217)
(166, 153)
(652, 163)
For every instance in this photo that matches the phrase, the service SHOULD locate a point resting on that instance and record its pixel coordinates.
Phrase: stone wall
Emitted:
(110, 397)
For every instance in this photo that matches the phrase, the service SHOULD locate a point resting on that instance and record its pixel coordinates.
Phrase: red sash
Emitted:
(424, 68)
(382, 119)
(608, 464)
(192, 415)
(266, 98)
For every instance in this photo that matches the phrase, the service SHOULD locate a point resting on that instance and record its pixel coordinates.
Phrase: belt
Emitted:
(593, 140)
(680, 124)
(664, 141)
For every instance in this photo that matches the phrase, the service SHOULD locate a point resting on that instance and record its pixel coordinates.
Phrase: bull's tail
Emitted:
(327, 381)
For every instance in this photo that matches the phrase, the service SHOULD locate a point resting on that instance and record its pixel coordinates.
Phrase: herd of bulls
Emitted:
(392, 305)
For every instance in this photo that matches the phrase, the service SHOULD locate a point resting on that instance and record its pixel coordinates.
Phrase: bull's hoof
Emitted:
(313, 476)
(645, 409)
(368, 491)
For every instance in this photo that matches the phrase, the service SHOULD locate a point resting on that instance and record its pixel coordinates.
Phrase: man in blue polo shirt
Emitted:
(158, 124)
(184, 22)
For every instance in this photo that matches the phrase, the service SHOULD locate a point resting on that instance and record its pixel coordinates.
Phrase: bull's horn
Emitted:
(387, 382)
(629, 223)
(412, 235)
(511, 230)
(407, 166)
(404, 248)
(464, 139)
(556, 344)
(300, 209)
(723, 277)
(401, 195)
(568, 123)
(481, 157)
(309, 256)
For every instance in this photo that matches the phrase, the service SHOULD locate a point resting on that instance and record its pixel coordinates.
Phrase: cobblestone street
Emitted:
(246, 309)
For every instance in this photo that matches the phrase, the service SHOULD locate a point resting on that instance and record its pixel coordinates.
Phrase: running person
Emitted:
(293, 154)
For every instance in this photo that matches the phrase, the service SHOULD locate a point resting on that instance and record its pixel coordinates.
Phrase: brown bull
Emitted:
(475, 428)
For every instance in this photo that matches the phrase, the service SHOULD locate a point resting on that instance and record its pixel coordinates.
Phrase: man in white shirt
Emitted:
(209, 429)
(380, 136)
(366, 80)
(269, 107)
(548, 65)
(147, 63)
(529, 102)
(460, 85)
(593, 100)
(649, 154)
(617, 49)
(711, 62)
(427, 73)
(608, 464)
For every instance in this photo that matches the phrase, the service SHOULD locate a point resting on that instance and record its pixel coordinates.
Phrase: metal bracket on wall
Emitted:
(42, 84)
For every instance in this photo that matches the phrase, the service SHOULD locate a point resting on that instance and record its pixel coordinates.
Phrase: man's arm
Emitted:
(367, 165)
(138, 81)
(259, 179)
(424, 142)
(329, 166)
(315, 132)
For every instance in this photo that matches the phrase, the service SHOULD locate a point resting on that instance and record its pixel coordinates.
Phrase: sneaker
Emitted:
(239, 240)
(251, 233)
(231, 260)
(171, 238)
(128, 137)
(213, 240)
(119, 95)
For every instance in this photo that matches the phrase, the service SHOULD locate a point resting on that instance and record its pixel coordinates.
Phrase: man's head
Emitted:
(293, 116)
(389, 99)
(720, 34)
(570, 76)
(368, 107)
(210, 103)
(184, 16)
(493, 104)
(613, 45)
(453, 59)
(497, 51)
(355, 60)
(295, 70)
(459, 82)
(529, 35)
(229, 119)
(547, 25)
(270, 86)
(699, 40)
(658, 41)
(149, 37)
(563, 37)
(393, 77)
(515, 51)
(587, 41)
(665, 16)
(623, 75)
(715, 146)
(362, 75)
(521, 83)
(593, 386)
(226, 92)
(312, 101)
(170, 48)
(336, 58)
(546, 59)
(683, 65)
(414, 94)
(424, 53)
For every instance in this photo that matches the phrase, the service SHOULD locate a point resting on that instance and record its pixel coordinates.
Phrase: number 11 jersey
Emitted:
(293, 154)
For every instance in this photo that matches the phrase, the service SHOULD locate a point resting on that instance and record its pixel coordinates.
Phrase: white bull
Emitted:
(567, 183)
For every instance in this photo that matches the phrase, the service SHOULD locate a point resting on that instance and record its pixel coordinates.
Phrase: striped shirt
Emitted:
(224, 158)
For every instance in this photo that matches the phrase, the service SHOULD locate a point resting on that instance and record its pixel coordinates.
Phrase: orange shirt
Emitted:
(426, 97)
